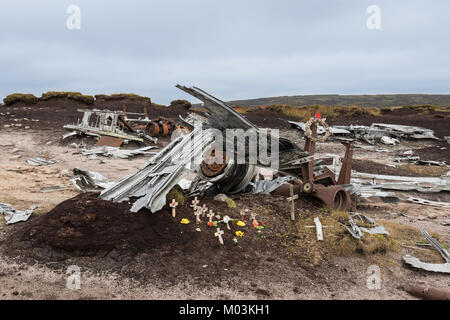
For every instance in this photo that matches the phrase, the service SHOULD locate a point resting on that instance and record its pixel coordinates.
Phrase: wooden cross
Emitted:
(173, 205)
(204, 210)
(242, 213)
(219, 234)
(197, 214)
(195, 202)
(210, 215)
(227, 220)
(291, 199)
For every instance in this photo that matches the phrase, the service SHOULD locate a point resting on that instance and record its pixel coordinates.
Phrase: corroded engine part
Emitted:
(229, 176)
(335, 197)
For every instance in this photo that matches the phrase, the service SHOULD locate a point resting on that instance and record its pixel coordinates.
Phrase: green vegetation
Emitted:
(177, 194)
(120, 96)
(20, 97)
(230, 203)
(380, 100)
(305, 112)
(77, 96)
(181, 103)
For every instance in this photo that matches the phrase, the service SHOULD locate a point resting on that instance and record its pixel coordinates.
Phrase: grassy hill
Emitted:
(383, 100)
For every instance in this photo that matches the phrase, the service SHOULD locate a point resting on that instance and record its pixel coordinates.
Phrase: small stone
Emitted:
(432, 216)
(7, 126)
(221, 197)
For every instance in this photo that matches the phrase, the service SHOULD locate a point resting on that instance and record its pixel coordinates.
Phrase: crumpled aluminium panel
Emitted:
(90, 181)
(434, 267)
(41, 161)
(163, 171)
(267, 186)
(14, 216)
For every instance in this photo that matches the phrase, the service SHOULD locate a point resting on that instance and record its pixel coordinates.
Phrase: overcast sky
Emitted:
(234, 49)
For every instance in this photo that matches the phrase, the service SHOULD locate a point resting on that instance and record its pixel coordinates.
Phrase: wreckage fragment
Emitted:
(14, 216)
(116, 152)
(387, 133)
(171, 164)
(433, 267)
(428, 202)
(163, 171)
(41, 162)
(357, 232)
(428, 293)
(104, 124)
(89, 181)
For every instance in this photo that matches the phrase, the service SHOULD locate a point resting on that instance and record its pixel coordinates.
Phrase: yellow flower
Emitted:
(239, 233)
(240, 223)
(185, 221)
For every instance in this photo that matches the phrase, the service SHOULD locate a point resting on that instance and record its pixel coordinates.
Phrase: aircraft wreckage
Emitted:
(229, 172)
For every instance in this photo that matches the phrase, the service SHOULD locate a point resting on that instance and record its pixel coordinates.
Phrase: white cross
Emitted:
(173, 205)
(219, 234)
(291, 199)
(197, 214)
(318, 229)
(195, 202)
(204, 210)
(242, 212)
(210, 215)
(226, 220)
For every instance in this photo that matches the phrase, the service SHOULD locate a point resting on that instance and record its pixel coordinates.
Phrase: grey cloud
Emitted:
(234, 49)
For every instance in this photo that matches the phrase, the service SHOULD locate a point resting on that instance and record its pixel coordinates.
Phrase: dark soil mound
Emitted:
(105, 236)
(435, 153)
(367, 166)
(86, 225)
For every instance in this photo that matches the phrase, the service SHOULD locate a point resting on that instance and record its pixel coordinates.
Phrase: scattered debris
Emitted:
(14, 216)
(110, 142)
(429, 202)
(116, 152)
(52, 189)
(390, 133)
(357, 232)
(389, 140)
(106, 123)
(267, 186)
(89, 181)
(318, 229)
(428, 293)
(434, 267)
(173, 163)
(446, 222)
(41, 162)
